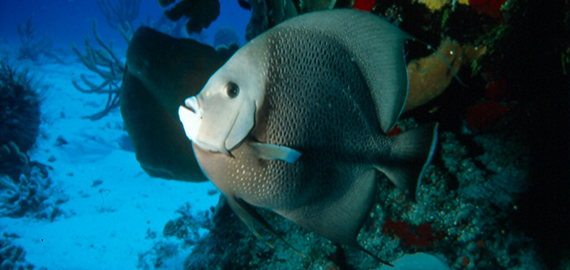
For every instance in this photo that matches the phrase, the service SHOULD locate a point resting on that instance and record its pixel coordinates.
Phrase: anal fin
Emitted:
(340, 219)
(247, 214)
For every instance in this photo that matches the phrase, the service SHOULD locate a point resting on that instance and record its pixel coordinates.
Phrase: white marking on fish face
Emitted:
(223, 113)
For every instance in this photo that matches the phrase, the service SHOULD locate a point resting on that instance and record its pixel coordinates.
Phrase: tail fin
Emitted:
(410, 153)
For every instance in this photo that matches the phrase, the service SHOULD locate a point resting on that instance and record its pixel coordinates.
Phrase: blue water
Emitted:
(68, 21)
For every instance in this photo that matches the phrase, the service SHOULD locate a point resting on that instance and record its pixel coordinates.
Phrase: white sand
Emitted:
(104, 226)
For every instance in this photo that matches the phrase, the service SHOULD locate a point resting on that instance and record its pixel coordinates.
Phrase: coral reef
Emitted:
(32, 196)
(108, 66)
(186, 229)
(200, 13)
(25, 188)
(20, 114)
(32, 48)
(120, 14)
(14, 162)
(12, 256)
(157, 257)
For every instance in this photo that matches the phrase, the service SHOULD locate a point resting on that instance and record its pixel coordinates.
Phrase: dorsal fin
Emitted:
(376, 46)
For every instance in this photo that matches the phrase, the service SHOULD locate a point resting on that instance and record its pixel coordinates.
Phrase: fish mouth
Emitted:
(190, 122)
(190, 115)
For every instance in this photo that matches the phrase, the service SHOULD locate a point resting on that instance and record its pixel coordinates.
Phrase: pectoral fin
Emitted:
(275, 152)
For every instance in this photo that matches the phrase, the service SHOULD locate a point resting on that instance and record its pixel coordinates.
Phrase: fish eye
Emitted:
(232, 90)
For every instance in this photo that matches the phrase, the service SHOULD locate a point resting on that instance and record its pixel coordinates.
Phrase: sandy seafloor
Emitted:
(104, 226)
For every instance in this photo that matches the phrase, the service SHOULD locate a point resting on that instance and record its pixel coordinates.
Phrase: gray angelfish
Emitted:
(296, 122)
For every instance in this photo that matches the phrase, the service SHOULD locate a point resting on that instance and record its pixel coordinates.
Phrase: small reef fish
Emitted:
(296, 122)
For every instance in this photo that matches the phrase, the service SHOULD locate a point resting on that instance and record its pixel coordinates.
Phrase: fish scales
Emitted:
(331, 121)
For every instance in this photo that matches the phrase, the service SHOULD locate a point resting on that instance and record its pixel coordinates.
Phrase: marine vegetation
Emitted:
(25, 188)
(104, 60)
(107, 65)
(32, 48)
(120, 15)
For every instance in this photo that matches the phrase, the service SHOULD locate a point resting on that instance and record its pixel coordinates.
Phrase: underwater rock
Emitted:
(20, 113)
(161, 72)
